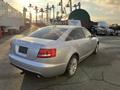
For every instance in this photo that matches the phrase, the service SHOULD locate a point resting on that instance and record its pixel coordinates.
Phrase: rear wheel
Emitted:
(72, 66)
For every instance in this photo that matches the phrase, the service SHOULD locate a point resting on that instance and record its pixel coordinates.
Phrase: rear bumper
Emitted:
(45, 70)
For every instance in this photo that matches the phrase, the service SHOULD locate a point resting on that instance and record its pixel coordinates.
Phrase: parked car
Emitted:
(110, 31)
(53, 50)
(101, 31)
(104, 31)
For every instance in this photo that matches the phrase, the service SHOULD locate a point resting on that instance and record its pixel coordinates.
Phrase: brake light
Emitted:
(46, 53)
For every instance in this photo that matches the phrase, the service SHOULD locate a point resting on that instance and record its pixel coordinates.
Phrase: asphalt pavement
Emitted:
(97, 72)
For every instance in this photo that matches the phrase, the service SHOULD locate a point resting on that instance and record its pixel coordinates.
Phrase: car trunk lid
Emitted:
(29, 47)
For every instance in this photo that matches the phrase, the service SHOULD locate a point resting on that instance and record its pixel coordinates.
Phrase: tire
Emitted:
(96, 49)
(72, 66)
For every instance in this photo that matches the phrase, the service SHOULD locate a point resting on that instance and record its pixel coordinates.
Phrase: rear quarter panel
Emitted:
(63, 55)
(94, 42)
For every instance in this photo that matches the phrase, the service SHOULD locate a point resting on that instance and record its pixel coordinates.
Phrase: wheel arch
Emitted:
(76, 54)
(73, 54)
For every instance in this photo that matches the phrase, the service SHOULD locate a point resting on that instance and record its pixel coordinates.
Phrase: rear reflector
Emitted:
(46, 53)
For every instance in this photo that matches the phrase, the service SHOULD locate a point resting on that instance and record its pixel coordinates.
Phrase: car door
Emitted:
(90, 40)
(77, 40)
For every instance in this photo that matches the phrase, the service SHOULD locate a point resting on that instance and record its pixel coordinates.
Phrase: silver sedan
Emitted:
(53, 50)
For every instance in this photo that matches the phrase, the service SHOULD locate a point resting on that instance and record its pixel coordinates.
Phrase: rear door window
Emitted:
(75, 34)
(86, 32)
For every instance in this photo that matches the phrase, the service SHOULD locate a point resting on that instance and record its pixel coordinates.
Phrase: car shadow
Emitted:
(91, 68)
(31, 82)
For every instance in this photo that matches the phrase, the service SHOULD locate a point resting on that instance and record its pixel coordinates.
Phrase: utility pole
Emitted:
(30, 6)
(69, 5)
(53, 11)
(24, 14)
(61, 4)
(57, 14)
(70, 1)
(36, 10)
(79, 5)
(47, 10)
(50, 12)
(65, 11)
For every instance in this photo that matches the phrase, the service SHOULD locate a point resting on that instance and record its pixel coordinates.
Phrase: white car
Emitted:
(53, 50)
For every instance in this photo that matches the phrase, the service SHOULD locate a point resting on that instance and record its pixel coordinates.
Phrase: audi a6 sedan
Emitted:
(53, 50)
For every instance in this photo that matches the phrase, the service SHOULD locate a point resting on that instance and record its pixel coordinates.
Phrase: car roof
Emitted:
(64, 26)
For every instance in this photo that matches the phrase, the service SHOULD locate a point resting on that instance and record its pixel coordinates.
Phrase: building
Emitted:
(83, 16)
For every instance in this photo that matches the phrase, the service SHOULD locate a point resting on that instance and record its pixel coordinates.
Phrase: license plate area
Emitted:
(23, 50)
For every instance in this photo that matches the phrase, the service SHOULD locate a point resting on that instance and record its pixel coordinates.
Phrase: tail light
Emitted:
(46, 53)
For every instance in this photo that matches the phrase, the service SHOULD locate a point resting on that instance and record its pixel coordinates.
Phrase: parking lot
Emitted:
(97, 72)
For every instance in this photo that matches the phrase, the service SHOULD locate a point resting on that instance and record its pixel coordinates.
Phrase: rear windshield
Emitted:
(48, 33)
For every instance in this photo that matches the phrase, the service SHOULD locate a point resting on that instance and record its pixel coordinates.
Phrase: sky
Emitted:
(99, 10)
